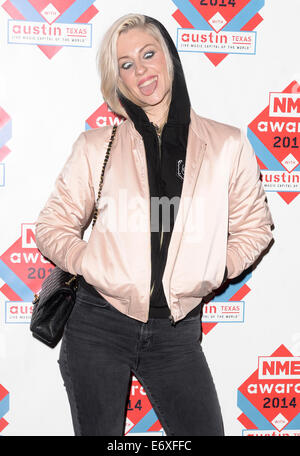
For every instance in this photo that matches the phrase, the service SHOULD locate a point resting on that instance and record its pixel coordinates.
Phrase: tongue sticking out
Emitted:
(149, 89)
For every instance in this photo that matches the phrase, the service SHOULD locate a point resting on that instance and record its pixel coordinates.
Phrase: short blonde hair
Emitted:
(108, 62)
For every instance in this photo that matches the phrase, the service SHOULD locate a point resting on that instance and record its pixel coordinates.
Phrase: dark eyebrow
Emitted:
(127, 57)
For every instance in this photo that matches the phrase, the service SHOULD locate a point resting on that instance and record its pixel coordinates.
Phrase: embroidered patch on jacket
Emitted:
(180, 169)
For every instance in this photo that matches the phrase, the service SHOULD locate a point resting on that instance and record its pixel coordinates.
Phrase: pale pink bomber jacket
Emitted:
(223, 217)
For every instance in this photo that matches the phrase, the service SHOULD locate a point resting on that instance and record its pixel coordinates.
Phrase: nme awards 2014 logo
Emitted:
(217, 27)
(50, 25)
(102, 117)
(22, 271)
(274, 135)
(141, 418)
(5, 135)
(269, 398)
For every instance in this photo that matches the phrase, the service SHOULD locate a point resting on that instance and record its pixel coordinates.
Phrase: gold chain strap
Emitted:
(95, 215)
(36, 296)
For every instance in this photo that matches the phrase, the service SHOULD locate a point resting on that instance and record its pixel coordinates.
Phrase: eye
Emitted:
(149, 54)
(126, 65)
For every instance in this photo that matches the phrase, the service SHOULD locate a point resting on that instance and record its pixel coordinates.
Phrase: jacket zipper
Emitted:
(161, 239)
(162, 232)
(171, 318)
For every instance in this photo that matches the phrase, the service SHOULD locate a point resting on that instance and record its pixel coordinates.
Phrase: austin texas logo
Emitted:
(50, 25)
(274, 135)
(228, 305)
(217, 27)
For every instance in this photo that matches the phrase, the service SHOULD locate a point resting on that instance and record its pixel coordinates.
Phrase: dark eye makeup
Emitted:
(147, 55)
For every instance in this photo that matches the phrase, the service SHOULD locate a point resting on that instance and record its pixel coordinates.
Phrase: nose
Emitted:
(140, 68)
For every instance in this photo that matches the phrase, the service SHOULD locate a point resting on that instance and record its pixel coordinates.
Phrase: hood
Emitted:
(179, 112)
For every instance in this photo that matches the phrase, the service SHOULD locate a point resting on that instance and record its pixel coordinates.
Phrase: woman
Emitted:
(150, 260)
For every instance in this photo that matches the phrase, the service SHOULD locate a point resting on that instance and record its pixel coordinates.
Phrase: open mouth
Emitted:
(149, 86)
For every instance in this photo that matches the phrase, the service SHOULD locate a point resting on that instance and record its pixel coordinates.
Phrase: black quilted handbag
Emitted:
(54, 304)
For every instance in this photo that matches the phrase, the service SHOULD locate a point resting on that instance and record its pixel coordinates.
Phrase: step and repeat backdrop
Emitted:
(241, 61)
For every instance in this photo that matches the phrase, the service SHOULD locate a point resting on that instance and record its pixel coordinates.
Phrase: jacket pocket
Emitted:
(86, 296)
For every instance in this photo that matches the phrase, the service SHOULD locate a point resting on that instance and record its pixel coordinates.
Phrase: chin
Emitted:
(153, 100)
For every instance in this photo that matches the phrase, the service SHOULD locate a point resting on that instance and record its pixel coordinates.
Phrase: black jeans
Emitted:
(101, 347)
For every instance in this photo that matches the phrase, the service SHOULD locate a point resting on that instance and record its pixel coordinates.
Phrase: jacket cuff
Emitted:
(74, 257)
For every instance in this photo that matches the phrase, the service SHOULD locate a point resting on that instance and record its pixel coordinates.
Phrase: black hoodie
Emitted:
(165, 173)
